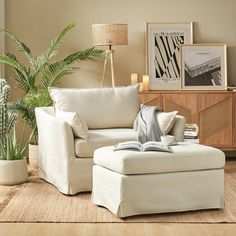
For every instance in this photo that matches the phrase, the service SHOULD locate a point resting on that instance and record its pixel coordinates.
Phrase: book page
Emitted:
(128, 145)
(152, 143)
(155, 146)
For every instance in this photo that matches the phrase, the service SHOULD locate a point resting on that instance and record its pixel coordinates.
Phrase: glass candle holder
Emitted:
(134, 78)
(145, 82)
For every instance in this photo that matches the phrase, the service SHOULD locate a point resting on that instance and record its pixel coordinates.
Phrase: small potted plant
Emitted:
(13, 165)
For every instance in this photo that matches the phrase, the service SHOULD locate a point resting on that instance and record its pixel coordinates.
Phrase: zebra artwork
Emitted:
(164, 41)
(167, 55)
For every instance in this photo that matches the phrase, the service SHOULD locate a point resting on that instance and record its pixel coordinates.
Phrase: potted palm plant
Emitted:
(42, 72)
(13, 165)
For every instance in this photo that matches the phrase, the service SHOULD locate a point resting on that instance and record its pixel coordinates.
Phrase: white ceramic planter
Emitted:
(33, 155)
(13, 172)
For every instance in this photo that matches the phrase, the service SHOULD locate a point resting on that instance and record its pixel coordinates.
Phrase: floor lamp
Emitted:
(109, 35)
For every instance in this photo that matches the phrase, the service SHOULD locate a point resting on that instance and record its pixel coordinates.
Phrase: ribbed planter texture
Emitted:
(13, 172)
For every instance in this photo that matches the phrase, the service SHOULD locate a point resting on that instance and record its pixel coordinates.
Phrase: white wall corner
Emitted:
(2, 36)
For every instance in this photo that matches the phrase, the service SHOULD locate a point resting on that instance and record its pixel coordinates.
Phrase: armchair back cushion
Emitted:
(100, 107)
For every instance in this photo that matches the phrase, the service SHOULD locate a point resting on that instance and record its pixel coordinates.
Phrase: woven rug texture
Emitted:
(39, 201)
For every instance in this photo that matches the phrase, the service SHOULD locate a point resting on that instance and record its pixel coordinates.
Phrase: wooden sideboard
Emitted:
(213, 111)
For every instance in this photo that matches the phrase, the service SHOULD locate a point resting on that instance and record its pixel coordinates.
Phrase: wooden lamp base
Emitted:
(109, 53)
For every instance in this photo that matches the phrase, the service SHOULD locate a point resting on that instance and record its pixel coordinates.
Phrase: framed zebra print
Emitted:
(163, 61)
(204, 67)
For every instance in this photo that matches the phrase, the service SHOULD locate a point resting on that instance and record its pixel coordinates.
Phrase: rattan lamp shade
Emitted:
(109, 34)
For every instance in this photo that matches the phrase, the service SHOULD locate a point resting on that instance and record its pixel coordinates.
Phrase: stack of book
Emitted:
(232, 88)
(191, 133)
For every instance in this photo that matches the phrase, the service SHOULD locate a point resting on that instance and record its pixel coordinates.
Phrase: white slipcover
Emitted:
(101, 138)
(185, 157)
(131, 183)
(58, 162)
(127, 195)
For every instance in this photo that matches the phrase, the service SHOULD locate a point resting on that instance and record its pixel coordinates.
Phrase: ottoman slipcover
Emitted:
(130, 182)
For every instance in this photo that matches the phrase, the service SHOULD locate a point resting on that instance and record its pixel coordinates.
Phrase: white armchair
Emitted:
(66, 161)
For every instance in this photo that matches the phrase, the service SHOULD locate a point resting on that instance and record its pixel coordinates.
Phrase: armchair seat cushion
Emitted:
(98, 138)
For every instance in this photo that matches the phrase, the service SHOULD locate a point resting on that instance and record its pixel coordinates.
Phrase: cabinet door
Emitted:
(151, 99)
(184, 103)
(216, 117)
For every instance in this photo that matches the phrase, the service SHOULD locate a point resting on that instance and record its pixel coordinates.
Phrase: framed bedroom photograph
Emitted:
(204, 67)
(163, 41)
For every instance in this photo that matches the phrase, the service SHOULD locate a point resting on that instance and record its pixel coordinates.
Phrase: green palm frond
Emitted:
(82, 55)
(27, 106)
(23, 47)
(41, 60)
(22, 81)
(54, 72)
(27, 112)
(32, 82)
(11, 61)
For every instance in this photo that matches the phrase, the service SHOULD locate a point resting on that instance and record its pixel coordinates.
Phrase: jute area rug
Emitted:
(38, 201)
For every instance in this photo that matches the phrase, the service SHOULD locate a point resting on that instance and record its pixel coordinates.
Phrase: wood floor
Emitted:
(115, 229)
(118, 229)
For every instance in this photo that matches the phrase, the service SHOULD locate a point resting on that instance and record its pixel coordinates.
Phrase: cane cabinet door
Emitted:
(215, 112)
(151, 99)
(184, 103)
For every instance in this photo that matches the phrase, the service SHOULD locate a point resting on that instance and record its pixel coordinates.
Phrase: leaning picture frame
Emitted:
(163, 61)
(203, 67)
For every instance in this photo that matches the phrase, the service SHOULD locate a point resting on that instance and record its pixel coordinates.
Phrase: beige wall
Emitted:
(38, 21)
(2, 38)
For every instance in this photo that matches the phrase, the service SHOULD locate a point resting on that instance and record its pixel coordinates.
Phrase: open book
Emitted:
(137, 146)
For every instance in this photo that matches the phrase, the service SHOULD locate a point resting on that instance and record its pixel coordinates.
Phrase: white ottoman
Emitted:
(131, 183)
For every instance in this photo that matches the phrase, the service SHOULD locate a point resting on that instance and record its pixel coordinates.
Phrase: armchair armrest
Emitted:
(56, 148)
(178, 128)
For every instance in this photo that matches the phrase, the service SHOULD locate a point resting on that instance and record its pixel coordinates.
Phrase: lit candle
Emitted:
(134, 78)
(145, 82)
(140, 87)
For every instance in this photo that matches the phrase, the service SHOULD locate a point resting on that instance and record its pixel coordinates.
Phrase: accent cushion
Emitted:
(166, 121)
(101, 138)
(101, 108)
(185, 157)
(76, 122)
